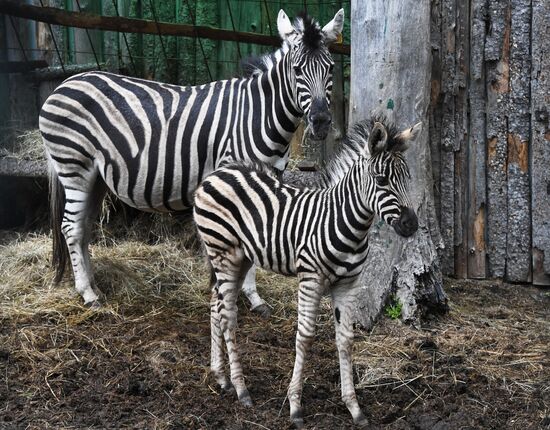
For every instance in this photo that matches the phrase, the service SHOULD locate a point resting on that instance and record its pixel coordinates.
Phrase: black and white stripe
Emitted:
(151, 143)
(245, 215)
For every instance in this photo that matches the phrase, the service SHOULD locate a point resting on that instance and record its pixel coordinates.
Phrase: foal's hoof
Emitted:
(228, 389)
(245, 399)
(361, 422)
(94, 305)
(262, 310)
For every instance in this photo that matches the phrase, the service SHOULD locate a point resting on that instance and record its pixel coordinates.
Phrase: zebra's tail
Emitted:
(60, 255)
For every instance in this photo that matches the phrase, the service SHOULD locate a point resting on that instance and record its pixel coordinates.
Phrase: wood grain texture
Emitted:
(540, 150)
(497, 58)
(518, 241)
(476, 145)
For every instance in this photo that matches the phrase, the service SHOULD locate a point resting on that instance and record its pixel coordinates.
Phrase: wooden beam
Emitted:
(21, 66)
(57, 16)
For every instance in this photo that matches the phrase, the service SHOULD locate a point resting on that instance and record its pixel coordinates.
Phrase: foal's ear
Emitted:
(378, 139)
(284, 25)
(333, 30)
(403, 138)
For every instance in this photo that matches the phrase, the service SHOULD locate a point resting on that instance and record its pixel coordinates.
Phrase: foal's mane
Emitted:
(352, 147)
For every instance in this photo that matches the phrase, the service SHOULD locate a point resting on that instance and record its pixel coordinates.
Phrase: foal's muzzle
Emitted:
(407, 224)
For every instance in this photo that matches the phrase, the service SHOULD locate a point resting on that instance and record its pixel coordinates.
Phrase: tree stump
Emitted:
(390, 72)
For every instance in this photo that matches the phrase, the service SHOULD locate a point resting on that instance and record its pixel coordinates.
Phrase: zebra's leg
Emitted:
(228, 290)
(343, 302)
(257, 304)
(81, 210)
(217, 360)
(309, 297)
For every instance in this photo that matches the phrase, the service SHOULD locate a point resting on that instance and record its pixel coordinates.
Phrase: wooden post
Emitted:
(462, 45)
(391, 67)
(540, 150)
(518, 243)
(477, 205)
(497, 58)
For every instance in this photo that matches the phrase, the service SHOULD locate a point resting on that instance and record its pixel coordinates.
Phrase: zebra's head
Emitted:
(388, 176)
(311, 66)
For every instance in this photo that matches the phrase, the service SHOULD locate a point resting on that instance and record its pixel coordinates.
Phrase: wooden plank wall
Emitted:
(490, 141)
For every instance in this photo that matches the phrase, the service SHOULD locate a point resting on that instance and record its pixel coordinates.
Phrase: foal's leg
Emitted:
(344, 301)
(82, 207)
(309, 297)
(228, 290)
(257, 304)
(217, 359)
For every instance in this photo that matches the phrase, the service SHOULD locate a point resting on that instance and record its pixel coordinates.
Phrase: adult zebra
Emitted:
(152, 143)
(245, 215)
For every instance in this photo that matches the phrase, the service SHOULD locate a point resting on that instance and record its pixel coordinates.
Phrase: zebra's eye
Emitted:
(297, 70)
(382, 180)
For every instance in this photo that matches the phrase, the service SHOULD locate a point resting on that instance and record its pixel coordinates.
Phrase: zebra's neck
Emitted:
(351, 197)
(278, 86)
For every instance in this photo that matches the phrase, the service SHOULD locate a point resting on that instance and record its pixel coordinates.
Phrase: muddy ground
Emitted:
(142, 361)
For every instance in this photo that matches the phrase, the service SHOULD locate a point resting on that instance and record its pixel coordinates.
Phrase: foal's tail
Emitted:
(60, 255)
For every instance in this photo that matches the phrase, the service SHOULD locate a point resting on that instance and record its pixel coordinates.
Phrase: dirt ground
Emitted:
(142, 361)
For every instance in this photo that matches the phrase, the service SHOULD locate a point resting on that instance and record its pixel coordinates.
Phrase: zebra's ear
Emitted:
(403, 138)
(284, 25)
(378, 139)
(333, 30)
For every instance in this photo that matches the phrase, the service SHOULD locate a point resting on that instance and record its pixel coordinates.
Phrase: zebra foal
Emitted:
(245, 215)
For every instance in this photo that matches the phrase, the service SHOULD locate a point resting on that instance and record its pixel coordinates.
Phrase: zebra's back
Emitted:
(152, 143)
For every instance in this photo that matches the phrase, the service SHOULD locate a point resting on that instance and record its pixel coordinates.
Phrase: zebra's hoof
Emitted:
(94, 305)
(245, 399)
(262, 310)
(361, 422)
(298, 419)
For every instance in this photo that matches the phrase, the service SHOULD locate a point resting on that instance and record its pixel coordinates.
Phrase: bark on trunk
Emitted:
(391, 66)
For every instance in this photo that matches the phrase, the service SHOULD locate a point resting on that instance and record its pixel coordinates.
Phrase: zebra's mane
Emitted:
(312, 38)
(352, 147)
(258, 64)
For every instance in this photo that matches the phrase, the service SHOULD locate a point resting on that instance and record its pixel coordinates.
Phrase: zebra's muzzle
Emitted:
(407, 224)
(320, 119)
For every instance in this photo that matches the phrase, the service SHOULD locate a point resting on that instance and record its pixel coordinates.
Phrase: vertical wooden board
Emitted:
(497, 58)
(45, 40)
(476, 145)
(518, 244)
(87, 41)
(436, 106)
(4, 78)
(206, 13)
(540, 132)
(448, 133)
(461, 126)
(227, 56)
(187, 46)
(21, 101)
(135, 40)
(112, 54)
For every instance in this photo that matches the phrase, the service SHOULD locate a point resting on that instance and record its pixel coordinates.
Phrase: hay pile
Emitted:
(142, 361)
(21, 144)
